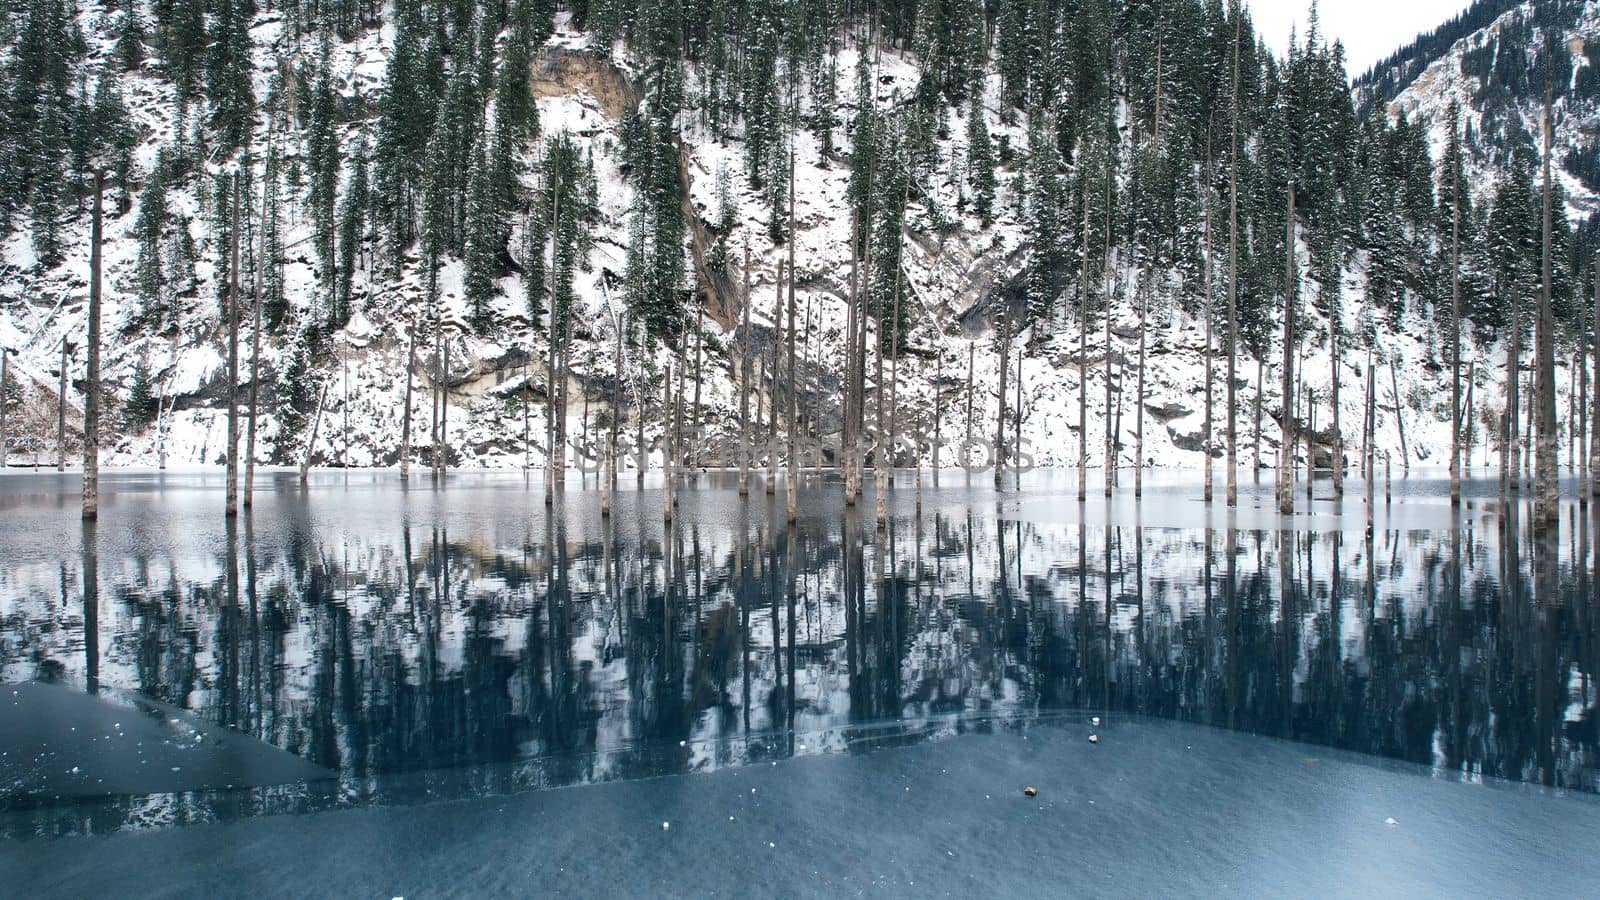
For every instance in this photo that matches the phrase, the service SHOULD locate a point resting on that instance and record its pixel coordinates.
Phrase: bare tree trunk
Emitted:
(966, 448)
(744, 382)
(1138, 413)
(344, 368)
(1261, 375)
(847, 381)
(444, 411)
(91, 386)
(1369, 457)
(1233, 281)
(1547, 488)
(772, 400)
(1455, 331)
(643, 456)
(437, 372)
(233, 353)
(699, 377)
(1466, 431)
(1016, 418)
(792, 486)
(255, 360)
(5, 379)
(61, 411)
(1399, 418)
(676, 413)
(1106, 283)
(1287, 447)
(668, 480)
(1083, 351)
(1000, 396)
(1207, 438)
(1594, 398)
(316, 426)
(405, 417)
(615, 423)
(1511, 449)
(1336, 329)
(551, 402)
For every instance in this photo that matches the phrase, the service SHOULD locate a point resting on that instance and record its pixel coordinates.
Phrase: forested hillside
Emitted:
(994, 211)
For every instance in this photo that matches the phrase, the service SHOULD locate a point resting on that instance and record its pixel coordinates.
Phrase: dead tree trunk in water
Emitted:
(61, 411)
(1106, 283)
(5, 379)
(772, 399)
(232, 500)
(1594, 398)
(1083, 352)
(1455, 326)
(1287, 447)
(405, 416)
(1511, 447)
(1547, 490)
(552, 405)
(255, 359)
(311, 442)
(848, 443)
(792, 487)
(699, 377)
(669, 451)
(1000, 395)
(1399, 418)
(744, 382)
(1207, 440)
(91, 386)
(1233, 279)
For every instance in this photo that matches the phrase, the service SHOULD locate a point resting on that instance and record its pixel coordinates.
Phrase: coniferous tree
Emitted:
(322, 148)
(228, 72)
(352, 235)
(980, 161)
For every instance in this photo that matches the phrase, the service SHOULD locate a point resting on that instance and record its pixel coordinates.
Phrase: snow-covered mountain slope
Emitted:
(953, 273)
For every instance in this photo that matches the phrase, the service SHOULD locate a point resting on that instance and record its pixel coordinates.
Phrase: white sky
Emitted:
(1370, 29)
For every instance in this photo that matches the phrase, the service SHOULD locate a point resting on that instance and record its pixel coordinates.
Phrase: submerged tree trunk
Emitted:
(1399, 418)
(232, 501)
(744, 382)
(669, 451)
(1286, 452)
(1000, 395)
(1547, 490)
(61, 411)
(792, 487)
(1336, 327)
(1233, 279)
(1083, 352)
(1455, 330)
(1207, 438)
(1138, 414)
(1106, 284)
(405, 416)
(552, 404)
(255, 363)
(772, 397)
(1511, 448)
(699, 378)
(1594, 398)
(91, 381)
(311, 442)
(5, 379)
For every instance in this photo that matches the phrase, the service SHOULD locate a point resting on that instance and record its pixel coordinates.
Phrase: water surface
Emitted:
(363, 643)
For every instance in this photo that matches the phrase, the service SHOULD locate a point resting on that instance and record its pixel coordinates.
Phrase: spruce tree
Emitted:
(980, 161)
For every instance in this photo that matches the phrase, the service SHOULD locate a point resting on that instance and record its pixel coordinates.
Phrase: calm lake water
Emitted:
(365, 643)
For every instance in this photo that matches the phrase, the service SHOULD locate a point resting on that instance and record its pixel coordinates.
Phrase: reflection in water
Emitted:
(417, 665)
